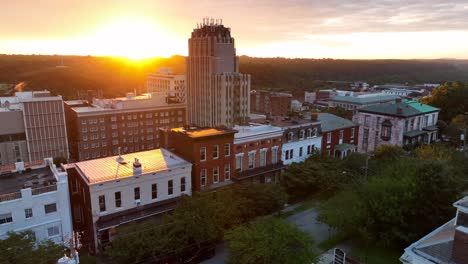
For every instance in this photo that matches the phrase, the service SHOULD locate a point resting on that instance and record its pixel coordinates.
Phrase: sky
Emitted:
(341, 29)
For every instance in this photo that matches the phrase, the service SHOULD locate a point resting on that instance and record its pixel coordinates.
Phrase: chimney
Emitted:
(399, 110)
(460, 245)
(314, 117)
(136, 167)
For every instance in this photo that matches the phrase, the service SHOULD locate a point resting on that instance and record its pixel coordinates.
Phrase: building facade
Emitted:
(35, 198)
(446, 244)
(36, 127)
(210, 151)
(172, 86)
(217, 94)
(130, 123)
(257, 150)
(271, 103)
(110, 192)
(339, 135)
(403, 123)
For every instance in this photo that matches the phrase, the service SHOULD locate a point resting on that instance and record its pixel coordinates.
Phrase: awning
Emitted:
(430, 128)
(414, 133)
(345, 146)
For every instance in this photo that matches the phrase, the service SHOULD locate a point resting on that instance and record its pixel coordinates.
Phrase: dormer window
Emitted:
(290, 136)
(301, 134)
(314, 132)
(309, 132)
(386, 130)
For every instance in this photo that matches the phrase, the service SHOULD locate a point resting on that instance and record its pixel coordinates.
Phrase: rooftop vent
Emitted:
(136, 167)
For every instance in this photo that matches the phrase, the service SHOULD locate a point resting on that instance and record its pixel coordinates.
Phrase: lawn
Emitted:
(376, 254)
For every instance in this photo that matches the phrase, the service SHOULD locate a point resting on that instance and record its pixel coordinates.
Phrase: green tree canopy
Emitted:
(270, 240)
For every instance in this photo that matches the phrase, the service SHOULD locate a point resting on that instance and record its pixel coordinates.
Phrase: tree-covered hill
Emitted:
(71, 76)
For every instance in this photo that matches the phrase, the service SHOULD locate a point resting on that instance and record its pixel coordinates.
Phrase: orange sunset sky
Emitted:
(360, 29)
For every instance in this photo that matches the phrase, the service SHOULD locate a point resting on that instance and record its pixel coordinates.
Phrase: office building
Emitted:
(217, 94)
(131, 123)
(33, 127)
(172, 86)
(271, 103)
(110, 192)
(35, 197)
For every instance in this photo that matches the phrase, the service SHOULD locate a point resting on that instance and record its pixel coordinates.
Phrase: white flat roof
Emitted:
(107, 169)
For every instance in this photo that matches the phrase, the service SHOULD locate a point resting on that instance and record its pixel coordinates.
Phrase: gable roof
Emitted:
(332, 122)
(401, 109)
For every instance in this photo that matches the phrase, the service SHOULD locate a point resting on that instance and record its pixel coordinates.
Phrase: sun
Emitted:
(133, 38)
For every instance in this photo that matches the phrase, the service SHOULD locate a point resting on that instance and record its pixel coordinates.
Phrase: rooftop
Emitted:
(255, 129)
(365, 98)
(332, 122)
(11, 182)
(203, 132)
(106, 169)
(400, 109)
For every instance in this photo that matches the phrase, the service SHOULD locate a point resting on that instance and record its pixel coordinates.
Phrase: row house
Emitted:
(110, 192)
(301, 138)
(339, 135)
(257, 150)
(130, 123)
(35, 197)
(210, 150)
(404, 123)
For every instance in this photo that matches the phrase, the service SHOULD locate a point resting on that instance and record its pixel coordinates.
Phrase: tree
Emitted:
(451, 97)
(19, 248)
(270, 240)
(388, 152)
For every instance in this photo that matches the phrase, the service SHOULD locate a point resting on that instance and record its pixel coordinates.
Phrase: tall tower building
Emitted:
(217, 94)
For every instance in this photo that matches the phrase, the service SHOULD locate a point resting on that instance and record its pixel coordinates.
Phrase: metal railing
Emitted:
(46, 189)
(10, 196)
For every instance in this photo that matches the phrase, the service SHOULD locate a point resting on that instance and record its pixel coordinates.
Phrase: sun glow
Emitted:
(134, 38)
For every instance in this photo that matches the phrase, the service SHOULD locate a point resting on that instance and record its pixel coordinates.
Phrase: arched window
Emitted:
(309, 132)
(290, 136)
(301, 134)
(314, 132)
(386, 130)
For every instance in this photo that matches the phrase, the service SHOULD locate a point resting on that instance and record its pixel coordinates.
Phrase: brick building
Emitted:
(257, 151)
(272, 103)
(339, 135)
(131, 123)
(210, 150)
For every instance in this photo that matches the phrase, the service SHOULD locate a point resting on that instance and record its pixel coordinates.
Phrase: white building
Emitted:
(35, 198)
(113, 191)
(167, 83)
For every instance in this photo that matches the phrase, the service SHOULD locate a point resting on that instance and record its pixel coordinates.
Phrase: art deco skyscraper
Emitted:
(217, 94)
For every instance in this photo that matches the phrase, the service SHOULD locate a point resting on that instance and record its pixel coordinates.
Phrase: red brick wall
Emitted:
(460, 247)
(258, 145)
(336, 138)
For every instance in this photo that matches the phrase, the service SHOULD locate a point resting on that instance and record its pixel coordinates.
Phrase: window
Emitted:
(291, 153)
(301, 134)
(6, 218)
(290, 136)
(170, 187)
(386, 130)
(216, 174)
(251, 160)
(309, 132)
(50, 208)
(366, 120)
(274, 155)
(215, 151)
(102, 203)
(329, 136)
(31, 236)
(352, 132)
(53, 231)
(239, 163)
(341, 134)
(365, 139)
(118, 199)
(182, 184)
(300, 152)
(154, 191)
(203, 177)
(263, 157)
(203, 154)
(28, 213)
(227, 171)
(227, 150)
(136, 193)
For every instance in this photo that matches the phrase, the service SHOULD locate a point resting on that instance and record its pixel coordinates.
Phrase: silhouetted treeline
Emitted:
(71, 76)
